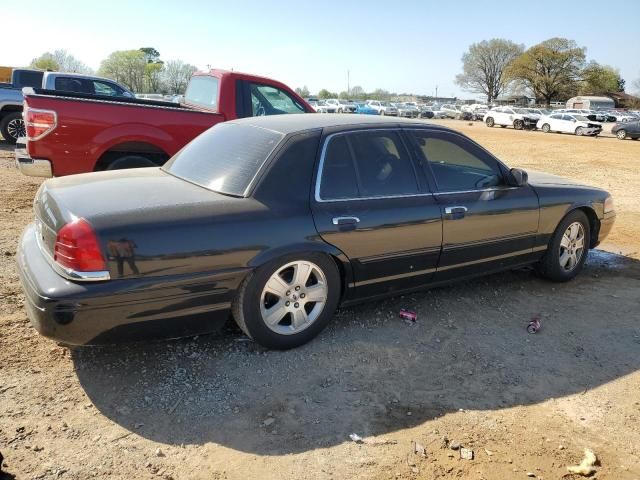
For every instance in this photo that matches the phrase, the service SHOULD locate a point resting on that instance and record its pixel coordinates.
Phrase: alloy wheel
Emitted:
(15, 128)
(572, 246)
(621, 134)
(294, 297)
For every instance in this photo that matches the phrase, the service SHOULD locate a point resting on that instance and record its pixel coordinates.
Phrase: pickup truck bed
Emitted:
(85, 133)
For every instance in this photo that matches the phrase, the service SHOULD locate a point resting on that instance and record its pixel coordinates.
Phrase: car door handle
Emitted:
(455, 213)
(345, 220)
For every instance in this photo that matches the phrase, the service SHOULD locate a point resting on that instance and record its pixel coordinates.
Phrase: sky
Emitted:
(402, 46)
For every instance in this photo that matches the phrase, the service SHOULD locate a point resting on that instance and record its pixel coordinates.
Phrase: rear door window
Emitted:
(338, 173)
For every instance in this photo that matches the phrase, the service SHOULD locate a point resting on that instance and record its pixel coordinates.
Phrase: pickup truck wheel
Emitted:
(130, 161)
(567, 250)
(490, 122)
(288, 301)
(12, 127)
(518, 124)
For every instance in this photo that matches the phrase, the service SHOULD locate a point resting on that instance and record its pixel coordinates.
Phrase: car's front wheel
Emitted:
(546, 128)
(490, 122)
(621, 134)
(287, 302)
(568, 248)
(579, 131)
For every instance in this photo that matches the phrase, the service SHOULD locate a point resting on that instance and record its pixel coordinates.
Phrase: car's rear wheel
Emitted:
(12, 127)
(287, 302)
(546, 128)
(621, 134)
(518, 124)
(567, 250)
(490, 122)
(579, 131)
(382, 112)
(131, 161)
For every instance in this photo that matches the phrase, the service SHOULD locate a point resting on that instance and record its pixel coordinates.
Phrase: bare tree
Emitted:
(176, 75)
(484, 67)
(62, 61)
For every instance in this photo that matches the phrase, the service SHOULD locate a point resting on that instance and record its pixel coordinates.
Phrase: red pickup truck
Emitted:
(71, 133)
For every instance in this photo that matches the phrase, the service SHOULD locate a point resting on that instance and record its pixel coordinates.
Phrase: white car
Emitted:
(569, 123)
(517, 118)
(342, 106)
(383, 108)
(320, 106)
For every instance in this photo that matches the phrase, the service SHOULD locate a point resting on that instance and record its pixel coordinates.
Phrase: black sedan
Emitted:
(627, 130)
(278, 220)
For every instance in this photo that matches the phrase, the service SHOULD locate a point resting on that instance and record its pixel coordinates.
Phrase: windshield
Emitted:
(520, 110)
(581, 118)
(225, 158)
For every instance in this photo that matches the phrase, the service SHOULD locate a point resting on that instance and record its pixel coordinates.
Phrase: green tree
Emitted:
(151, 55)
(60, 61)
(551, 69)
(357, 92)
(344, 95)
(176, 75)
(127, 67)
(380, 94)
(598, 79)
(485, 67)
(324, 94)
(303, 92)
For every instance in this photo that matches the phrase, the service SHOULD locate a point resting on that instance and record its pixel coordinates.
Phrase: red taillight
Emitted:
(77, 248)
(39, 122)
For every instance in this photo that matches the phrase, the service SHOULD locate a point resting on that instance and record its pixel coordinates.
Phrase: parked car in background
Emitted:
(608, 117)
(590, 114)
(438, 112)
(365, 109)
(406, 111)
(630, 129)
(450, 110)
(383, 108)
(341, 105)
(70, 133)
(11, 123)
(621, 117)
(569, 123)
(426, 111)
(322, 106)
(87, 84)
(476, 110)
(175, 251)
(517, 118)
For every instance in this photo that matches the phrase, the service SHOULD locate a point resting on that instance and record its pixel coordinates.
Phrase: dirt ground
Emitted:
(467, 373)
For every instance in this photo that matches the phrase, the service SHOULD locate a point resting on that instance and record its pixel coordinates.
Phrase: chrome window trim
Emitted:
(408, 195)
(69, 273)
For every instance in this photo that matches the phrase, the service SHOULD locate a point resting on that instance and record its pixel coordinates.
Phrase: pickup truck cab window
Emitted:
(203, 92)
(106, 88)
(457, 164)
(268, 100)
(368, 164)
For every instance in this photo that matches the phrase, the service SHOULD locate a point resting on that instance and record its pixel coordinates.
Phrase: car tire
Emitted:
(490, 122)
(579, 131)
(382, 112)
(340, 110)
(251, 307)
(12, 127)
(621, 134)
(130, 161)
(518, 124)
(546, 128)
(559, 263)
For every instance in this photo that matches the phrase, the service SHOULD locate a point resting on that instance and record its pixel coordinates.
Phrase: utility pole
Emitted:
(436, 92)
(348, 86)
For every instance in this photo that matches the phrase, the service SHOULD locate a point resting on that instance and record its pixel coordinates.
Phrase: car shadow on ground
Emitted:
(6, 146)
(372, 373)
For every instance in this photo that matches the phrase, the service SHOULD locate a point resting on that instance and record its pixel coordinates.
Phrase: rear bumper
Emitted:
(32, 167)
(120, 310)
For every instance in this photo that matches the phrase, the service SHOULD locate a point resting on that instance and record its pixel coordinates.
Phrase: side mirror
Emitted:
(520, 177)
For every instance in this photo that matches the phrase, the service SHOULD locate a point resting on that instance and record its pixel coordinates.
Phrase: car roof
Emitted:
(301, 122)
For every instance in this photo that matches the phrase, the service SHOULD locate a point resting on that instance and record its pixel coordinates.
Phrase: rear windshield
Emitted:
(203, 91)
(225, 158)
